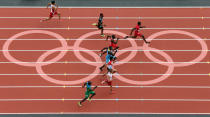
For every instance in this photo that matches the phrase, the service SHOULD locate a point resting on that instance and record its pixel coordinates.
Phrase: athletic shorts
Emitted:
(138, 34)
(87, 93)
(108, 58)
(109, 67)
(52, 14)
(100, 26)
(109, 83)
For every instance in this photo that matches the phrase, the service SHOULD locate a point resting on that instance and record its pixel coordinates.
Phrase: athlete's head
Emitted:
(110, 47)
(139, 23)
(111, 58)
(53, 2)
(89, 82)
(113, 37)
(101, 15)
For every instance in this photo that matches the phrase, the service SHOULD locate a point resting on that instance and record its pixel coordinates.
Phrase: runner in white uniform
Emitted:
(109, 74)
(53, 11)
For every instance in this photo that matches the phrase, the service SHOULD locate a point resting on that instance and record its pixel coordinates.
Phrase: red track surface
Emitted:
(128, 68)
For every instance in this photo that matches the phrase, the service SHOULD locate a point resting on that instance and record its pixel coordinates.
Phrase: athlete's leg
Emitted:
(49, 18)
(111, 88)
(145, 39)
(87, 94)
(130, 37)
(83, 100)
(102, 31)
(93, 94)
(101, 68)
(102, 53)
(59, 16)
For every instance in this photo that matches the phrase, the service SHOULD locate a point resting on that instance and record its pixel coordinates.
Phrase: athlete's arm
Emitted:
(114, 54)
(84, 85)
(117, 40)
(56, 7)
(105, 48)
(48, 5)
(105, 72)
(108, 37)
(142, 26)
(94, 88)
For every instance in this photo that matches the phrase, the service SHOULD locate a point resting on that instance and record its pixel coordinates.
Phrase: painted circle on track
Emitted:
(16, 61)
(156, 80)
(48, 78)
(83, 59)
(170, 64)
(197, 59)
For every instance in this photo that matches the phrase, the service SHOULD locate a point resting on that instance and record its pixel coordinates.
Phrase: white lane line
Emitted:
(94, 113)
(100, 50)
(104, 39)
(68, 28)
(81, 74)
(114, 99)
(181, 87)
(79, 62)
(93, 7)
(70, 18)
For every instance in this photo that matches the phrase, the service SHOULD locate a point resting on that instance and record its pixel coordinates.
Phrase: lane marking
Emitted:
(113, 99)
(81, 74)
(99, 50)
(104, 40)
(80, 62)
(117, 86)
(116, 18)
(121, 113)
(68, 28)
(90, 7)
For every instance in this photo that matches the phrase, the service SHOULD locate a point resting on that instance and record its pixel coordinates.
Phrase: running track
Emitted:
(185, 90)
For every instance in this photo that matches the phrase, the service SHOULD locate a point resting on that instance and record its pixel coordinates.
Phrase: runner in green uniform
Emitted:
(88, 92)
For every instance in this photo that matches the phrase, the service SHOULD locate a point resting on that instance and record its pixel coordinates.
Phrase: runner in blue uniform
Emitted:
(109, 52)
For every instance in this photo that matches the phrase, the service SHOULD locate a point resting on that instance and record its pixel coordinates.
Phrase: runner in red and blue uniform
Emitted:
(113, 42)
(137, 33)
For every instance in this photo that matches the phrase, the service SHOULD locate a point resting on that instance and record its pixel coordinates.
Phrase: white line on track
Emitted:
(92, 7)
(80, 62)
(68, 28)
(181, 87)
(96, 113)
(116, 18)
(114, 99)
(104, 39)
(81, 74)
(99, 50)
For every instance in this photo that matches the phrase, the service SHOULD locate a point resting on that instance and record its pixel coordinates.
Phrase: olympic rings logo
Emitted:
(64, 46)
